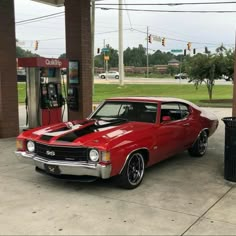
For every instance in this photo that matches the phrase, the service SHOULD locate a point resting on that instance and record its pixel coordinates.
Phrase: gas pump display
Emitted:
(50, 92)
(44, 95)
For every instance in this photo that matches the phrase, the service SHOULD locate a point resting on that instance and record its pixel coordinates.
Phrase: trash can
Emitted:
(230, 149)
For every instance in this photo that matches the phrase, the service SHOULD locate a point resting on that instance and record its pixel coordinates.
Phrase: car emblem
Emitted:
(51, 169)
(50, 153)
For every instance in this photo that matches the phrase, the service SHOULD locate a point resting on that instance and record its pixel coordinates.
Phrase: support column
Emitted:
(9, 121)
(78, 47)
(234, 85)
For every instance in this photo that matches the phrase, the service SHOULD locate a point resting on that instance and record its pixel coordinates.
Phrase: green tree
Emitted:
(135, 56)
(161, 58)
(113, 58)
(206, 69)
(201, 69)
(24, 53)
(63, 55)
(20, 52)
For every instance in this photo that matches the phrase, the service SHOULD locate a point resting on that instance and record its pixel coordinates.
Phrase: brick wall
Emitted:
(78, 47)
(9, 124)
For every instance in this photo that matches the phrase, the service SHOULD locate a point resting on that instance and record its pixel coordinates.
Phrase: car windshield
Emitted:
(130, 111)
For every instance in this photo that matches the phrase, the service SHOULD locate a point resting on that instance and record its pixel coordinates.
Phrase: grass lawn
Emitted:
(185, 91)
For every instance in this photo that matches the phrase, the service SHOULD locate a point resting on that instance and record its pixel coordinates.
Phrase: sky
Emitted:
(201, 29)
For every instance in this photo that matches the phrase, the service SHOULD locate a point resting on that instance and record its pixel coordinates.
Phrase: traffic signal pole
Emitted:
(147, 53)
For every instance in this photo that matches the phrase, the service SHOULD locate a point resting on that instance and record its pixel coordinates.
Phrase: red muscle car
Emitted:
(120, 138)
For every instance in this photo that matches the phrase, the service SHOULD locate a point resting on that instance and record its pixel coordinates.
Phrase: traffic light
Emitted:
(189, 46)
(36, 45)
(98, 50)
(206, 50)
(163, 42)
(194, 51)
(150, 38)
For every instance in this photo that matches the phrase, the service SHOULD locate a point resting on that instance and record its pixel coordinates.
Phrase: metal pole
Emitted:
(104, 61)
(234, 81)
(92, 39)
(121, 62)
(147, 55)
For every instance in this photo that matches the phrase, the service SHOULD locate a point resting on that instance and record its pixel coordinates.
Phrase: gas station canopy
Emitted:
(57, 3)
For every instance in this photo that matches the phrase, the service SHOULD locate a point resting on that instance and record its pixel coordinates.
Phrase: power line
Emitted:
(165, 4)
(128, 15)
(40, 18)
(166, 11)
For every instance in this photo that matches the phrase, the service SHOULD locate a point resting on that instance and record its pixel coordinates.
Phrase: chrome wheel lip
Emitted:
(135, 170)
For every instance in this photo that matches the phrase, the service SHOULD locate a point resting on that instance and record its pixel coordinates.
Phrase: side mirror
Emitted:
(166, 118)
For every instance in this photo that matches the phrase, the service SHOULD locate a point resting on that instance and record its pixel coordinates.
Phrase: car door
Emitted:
(171, 136)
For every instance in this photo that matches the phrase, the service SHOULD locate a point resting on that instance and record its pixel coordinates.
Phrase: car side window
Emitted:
(184, 110)
(176, 111)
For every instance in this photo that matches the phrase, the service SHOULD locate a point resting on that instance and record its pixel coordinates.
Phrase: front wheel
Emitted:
(103, 77)
(200, 146)
(133, 172)
(117, 77)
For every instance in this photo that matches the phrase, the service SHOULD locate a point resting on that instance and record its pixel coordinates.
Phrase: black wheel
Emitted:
(200, 146)
(103, 77)
(117, 77)
(133, 172)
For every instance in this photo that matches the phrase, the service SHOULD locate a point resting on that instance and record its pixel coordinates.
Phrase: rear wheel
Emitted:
(103, 77)
(200, 146)
(133, 172)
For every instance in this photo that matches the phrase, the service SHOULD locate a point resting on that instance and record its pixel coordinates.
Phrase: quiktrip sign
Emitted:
(42, 62)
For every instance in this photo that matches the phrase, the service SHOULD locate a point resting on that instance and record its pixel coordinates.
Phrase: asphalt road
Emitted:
(131, 80)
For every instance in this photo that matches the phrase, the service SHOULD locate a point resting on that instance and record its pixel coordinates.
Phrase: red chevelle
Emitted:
(120, 138)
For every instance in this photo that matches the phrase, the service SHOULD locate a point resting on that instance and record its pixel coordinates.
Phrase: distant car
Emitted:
(109, 74)
(181, 76)
(226, 78)
(120, 138)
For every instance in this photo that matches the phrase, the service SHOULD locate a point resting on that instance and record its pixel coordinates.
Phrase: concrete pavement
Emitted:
(180, 196)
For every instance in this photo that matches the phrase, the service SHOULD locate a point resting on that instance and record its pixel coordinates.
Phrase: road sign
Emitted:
(156, 38)
(105, 49)
(176, 50)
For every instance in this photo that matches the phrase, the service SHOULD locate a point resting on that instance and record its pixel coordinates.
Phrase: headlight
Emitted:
(30, 146)
(93, 155)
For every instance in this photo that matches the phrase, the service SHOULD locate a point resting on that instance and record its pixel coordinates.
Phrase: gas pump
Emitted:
(43, 90)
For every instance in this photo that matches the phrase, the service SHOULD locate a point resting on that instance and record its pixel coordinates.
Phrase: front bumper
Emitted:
(65, 167)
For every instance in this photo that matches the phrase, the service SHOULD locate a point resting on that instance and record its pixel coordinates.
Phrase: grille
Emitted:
(61, 153)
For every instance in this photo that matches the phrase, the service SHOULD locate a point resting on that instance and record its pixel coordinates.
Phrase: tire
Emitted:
(103, 77)
(117, 77)
(133, 172)
(199, 148)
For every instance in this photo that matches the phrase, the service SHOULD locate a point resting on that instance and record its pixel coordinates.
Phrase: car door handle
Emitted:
(186, 124)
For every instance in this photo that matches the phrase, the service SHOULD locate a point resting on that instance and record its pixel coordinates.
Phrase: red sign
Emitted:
(42, 62)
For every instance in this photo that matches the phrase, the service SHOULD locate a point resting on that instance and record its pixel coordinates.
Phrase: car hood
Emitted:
(95, 133)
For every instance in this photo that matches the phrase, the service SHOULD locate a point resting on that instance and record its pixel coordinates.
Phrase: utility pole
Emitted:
(147, 53)
(121, 57)
(92, 39)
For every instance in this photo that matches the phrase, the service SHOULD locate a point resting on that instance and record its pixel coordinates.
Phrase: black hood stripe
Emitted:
(82, 130)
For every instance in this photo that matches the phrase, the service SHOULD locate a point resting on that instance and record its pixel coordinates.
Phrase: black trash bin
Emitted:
(230, 149)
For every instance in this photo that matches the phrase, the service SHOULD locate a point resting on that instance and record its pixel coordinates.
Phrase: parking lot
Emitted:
(180, 196)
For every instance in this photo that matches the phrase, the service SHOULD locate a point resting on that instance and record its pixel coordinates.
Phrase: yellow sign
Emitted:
(106, 58)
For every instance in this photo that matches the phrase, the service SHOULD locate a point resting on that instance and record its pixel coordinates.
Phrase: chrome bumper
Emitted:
(65, 167)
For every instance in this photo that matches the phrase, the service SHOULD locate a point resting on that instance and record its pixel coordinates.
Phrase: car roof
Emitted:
(152, 99)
